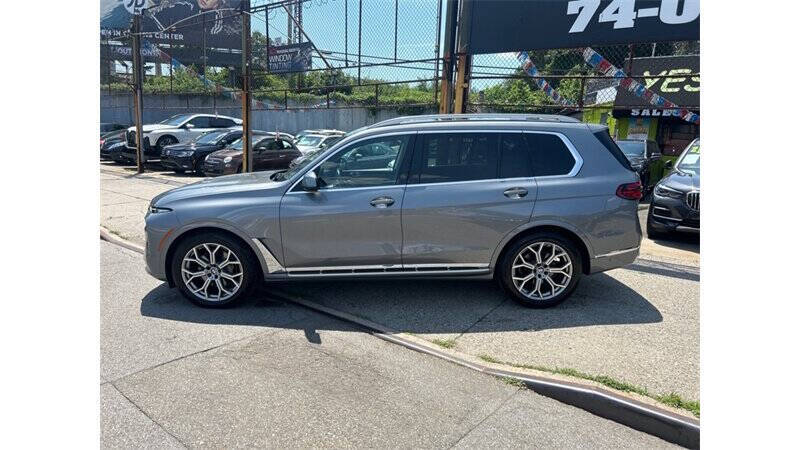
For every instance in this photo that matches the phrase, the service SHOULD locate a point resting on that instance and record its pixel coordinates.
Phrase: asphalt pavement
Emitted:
(269, 374)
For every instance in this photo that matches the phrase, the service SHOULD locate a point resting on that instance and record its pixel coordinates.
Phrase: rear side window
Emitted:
(458, 157)
(612, 148)
(515, 157)
(218, 122)
(550, 156)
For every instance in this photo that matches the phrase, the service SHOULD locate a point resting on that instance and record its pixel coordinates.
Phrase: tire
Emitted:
(562, 284)
(204, 271)
(198, 168)
(163, 141)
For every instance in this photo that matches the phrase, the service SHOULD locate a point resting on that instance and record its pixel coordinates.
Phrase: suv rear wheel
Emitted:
(212, 270)
(541, 270)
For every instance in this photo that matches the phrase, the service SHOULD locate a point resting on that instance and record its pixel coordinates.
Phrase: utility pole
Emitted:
(137, 89)
(451, 17)
(247, 156)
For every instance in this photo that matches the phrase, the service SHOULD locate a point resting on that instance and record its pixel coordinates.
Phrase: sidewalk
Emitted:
(638, 325)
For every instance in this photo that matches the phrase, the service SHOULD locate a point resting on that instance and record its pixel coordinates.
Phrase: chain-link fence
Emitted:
(380, 56)
(307, 54)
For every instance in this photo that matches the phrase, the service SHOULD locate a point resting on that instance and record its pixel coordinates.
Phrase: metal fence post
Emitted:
(247, 156)
(137, 89)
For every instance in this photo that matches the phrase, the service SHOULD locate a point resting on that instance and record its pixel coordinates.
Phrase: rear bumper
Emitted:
(614, 260)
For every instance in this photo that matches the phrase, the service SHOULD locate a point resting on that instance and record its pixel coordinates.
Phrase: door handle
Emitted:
(516, 192)
(382, 202)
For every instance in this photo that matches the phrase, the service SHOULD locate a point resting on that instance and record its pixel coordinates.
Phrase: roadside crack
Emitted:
(149, 417)
(503, 403)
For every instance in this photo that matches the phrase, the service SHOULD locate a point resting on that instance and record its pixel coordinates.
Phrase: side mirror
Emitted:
(668, 165)
(310, 181)
(188, 126)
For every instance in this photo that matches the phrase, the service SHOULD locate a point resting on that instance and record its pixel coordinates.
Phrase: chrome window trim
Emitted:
(335, 150)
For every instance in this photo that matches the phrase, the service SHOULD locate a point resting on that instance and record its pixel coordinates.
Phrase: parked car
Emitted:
(676, 198)
(108, 127)
(315, 151)
(325, 132)
(107, 140)
(180, 128)
(269, 153)
(191, 156)
(644, 157)
(310, 142)
(534, 201)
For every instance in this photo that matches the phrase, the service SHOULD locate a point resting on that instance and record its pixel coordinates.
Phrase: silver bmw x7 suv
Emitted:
(533, 201)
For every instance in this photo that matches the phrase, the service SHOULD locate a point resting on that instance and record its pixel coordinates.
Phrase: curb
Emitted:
(107, 236)
(627, 411)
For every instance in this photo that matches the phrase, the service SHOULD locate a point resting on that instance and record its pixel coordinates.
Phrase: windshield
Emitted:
(210, 137)
(175, 120)
(690, 161)
(255, 139)
(632, 148)
(309, 141)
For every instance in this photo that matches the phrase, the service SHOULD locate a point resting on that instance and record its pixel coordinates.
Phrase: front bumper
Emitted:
(177, 162)
(218, 169)
(668, 214)
(158, 231)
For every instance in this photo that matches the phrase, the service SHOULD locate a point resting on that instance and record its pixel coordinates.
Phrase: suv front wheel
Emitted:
(213, 270)
(540, 270)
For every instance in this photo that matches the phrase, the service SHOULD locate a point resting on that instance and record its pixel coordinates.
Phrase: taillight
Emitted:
(630, 191)
(101, 141)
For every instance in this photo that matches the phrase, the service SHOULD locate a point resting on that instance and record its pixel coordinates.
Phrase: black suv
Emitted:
(191, 156)
(676, 199)
(644, 157)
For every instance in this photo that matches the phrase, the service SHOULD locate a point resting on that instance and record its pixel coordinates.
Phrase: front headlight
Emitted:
(663, 191)
(183, 153)
(227, 159)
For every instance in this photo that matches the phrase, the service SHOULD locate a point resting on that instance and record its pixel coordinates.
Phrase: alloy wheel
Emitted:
(212, 272)
(542, 270)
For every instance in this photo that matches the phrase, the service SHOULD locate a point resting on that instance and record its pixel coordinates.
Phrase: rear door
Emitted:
(466, 191)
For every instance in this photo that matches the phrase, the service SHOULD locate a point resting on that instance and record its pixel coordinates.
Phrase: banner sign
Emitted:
(530, 69)
(186, 55)
(217, 23)
(511, 25)
(672, 77)
(290, 58)
(628, 85)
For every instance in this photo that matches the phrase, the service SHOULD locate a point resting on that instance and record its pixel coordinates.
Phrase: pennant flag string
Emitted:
(530, 69)
(603, 66)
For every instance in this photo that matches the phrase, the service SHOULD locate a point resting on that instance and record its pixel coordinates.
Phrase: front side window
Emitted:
(458, 157)
(550, 155)
(201, 122)
(374, 162)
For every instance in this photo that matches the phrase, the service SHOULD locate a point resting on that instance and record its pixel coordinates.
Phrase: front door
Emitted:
(353, 221)
(466, 192)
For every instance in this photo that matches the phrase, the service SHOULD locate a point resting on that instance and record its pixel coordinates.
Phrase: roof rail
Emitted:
(434, 118)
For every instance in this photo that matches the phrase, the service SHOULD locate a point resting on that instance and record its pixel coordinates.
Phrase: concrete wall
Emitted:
(118, 108)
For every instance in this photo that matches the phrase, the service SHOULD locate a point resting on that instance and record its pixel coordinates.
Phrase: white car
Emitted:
(180, 128)
(310, 142)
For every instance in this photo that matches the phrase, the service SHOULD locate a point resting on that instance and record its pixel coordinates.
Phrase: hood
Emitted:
(216, 186)
(226, 152)
(682, 181)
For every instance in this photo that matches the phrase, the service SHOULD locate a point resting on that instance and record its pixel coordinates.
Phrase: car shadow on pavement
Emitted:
(422, 306)
(681, 241)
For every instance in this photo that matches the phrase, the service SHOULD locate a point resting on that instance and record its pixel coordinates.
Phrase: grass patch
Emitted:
(672, 399)
(513, 382)
(489, 359)
(445, 343)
